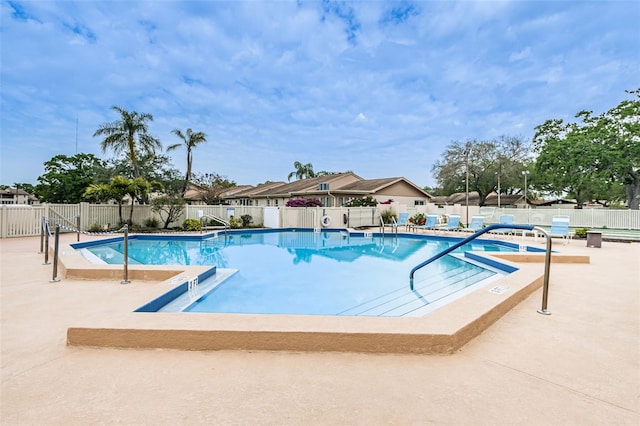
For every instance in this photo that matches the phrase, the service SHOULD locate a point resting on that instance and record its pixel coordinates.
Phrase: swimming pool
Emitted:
(307, 272)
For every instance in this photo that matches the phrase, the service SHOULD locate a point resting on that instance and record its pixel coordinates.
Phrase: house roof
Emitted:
(283, 189)
(491, 200)
(376, 185)
(14, 191)
(310, 186)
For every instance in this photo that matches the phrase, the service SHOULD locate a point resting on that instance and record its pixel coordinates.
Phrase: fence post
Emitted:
(125, 260)
(3, 222)
(56, 245)
(41, 235)
(46, 244)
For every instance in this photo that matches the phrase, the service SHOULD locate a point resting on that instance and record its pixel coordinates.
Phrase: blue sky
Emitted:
(379, 88)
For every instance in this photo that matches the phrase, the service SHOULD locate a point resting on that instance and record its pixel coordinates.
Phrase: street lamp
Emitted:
(467, 151)
(525, 173)
(498, 174)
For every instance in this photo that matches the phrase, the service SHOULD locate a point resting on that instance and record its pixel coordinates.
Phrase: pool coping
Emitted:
(443, 331)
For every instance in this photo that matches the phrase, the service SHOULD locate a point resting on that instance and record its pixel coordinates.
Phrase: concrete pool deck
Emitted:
(580, 365)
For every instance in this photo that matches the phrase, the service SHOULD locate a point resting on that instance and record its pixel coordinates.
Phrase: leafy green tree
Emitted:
(168, 207)
(26, 187)
(66, 178)
(129, 136)
(302, 171)
(594, 158)
(567, 161)
(620, 130)
(505, 156)
(155, 168)
(213, 186)
(190, 140)
(117, 189)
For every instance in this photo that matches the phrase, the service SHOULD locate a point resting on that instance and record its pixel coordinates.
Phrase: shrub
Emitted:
(246, 220)
(235, 222)
(304, 202)
(96, 227)
(418, 219)
(387, 215)
(152, 222)
(191, 225)
(367, 201)
(580, 233)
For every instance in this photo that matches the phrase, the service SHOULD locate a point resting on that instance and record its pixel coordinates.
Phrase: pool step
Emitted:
(403, 301)
(111, 255)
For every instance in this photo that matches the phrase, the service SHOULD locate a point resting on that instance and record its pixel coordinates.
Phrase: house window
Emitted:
(418, 203)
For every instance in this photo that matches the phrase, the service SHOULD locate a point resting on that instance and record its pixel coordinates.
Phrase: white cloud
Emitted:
(276, 82)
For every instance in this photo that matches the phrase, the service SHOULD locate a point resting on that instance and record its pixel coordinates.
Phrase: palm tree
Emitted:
(129, 135)
(302, 171)
(191, 140)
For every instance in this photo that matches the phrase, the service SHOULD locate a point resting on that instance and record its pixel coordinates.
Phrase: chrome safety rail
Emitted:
(393, 224)
(226, 223)
(547, 260)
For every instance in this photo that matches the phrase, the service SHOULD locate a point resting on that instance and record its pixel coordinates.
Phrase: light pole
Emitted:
(498, 189)
(525, 173)
(467, 151)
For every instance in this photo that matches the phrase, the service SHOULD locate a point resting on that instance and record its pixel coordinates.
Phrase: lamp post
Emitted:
(467, 151)
(525, 173)
(498, 189)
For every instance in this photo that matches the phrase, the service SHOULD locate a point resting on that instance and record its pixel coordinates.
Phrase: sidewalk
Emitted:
(578, 366)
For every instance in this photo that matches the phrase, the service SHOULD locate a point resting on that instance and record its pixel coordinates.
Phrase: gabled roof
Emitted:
(284, 190)
(311, 184)
(252, 191)
(372, 186)
(491, 200)
(14, 191)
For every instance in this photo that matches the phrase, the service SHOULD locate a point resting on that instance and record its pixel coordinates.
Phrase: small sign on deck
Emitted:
(499, 289)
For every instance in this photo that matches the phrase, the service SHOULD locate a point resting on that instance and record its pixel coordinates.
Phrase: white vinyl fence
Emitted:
(22, 220)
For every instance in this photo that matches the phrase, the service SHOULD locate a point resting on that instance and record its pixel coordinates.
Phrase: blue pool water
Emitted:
(306, 272)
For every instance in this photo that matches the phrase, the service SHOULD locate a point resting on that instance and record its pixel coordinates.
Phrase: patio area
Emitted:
(578, 366)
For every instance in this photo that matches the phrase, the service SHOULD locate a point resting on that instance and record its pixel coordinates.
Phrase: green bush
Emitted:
(235, 222)
(367, 201)
(581, 233)
(96, 227)
(191, 225)
(246, 220)
(418, 219)
(152, 222)
(387, 215)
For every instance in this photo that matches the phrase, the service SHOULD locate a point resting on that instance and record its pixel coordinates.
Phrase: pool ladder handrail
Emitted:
(226, 223)
(547, 260)
(394, 225)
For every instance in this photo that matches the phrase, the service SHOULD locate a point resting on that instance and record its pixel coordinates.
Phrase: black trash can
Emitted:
(594, 239)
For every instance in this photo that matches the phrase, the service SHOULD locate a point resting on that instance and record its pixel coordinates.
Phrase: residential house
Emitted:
(17, 196)
(333, 190)
(491, 200)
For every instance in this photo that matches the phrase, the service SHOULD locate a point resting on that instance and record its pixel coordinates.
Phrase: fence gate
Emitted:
(64, 214)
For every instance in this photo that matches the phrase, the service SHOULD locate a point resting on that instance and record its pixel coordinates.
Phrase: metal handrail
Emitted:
(394, 225)
(226, 223)
(547, 260)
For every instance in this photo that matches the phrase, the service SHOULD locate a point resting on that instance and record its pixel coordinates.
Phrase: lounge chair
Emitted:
(560, 228)
(403, 220)
(453, 223)
(430, 222)
(505, 219)
(477, 223)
